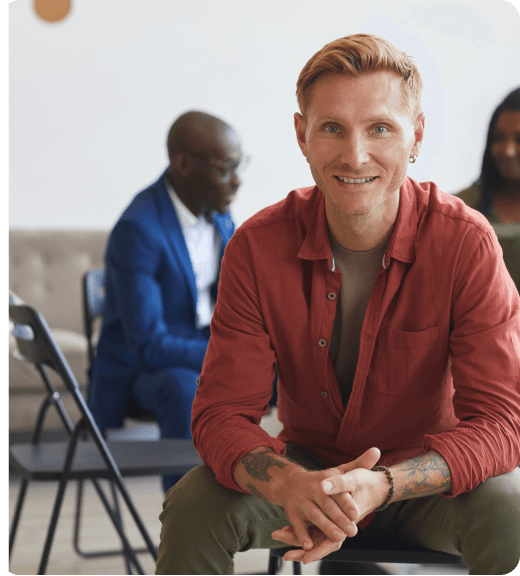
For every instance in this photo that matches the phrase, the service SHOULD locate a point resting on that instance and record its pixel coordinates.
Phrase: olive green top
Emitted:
(508, 234)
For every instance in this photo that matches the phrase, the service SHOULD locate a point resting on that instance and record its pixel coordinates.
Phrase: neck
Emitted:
(509, 190)
(361, 232)
(183, 195)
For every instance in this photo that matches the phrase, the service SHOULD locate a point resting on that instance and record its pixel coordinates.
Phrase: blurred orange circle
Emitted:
(52, 10)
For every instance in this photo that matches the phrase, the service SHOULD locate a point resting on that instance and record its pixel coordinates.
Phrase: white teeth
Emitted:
(354, 181)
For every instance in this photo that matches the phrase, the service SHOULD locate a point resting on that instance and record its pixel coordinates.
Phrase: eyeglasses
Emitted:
(224, 170)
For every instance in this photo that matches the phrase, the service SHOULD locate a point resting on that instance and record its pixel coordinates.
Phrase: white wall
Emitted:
(92, 98)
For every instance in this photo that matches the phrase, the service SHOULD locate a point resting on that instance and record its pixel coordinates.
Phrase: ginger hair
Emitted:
(361, 54)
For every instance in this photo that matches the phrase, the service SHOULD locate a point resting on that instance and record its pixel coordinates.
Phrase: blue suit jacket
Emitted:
(151, 298)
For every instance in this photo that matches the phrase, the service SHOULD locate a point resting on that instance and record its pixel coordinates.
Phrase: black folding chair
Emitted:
(93, 296)
(77, 459)
(384, 549)
(93, 293)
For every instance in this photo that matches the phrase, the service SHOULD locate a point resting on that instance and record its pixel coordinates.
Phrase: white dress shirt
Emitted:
(203, 242)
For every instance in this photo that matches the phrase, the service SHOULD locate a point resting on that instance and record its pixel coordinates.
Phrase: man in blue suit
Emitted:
(162, 268)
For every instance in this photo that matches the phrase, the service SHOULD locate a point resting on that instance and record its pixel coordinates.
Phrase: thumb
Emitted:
(367, 460)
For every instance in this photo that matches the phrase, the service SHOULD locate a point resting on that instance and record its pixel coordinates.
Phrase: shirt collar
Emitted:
(316, 244)
(186, 217)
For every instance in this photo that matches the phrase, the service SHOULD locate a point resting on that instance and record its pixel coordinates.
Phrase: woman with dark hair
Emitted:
(497, 192)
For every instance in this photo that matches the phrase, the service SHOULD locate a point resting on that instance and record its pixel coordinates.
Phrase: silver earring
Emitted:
(412, 159)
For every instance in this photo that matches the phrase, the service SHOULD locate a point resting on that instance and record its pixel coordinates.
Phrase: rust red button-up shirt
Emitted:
(439, 358)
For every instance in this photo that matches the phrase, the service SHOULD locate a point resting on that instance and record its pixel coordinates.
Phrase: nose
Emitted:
(354, 151)
(511, 148)
(235, 180)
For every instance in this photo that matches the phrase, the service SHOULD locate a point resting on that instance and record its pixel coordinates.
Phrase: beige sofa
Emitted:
(45, 271)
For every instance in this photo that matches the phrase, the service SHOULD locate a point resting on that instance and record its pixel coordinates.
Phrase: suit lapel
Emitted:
(175, 237)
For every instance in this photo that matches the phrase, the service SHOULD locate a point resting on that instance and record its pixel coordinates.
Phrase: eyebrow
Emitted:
(372, 120)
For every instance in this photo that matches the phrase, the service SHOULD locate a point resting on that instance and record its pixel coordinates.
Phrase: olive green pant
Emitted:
(204, 524)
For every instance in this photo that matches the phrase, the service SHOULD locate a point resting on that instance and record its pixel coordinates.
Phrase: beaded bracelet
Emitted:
(390, 479)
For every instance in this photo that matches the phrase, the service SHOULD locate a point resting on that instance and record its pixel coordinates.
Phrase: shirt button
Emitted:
(322, 342)
(324, 394)
(199, 381)
(331, 296)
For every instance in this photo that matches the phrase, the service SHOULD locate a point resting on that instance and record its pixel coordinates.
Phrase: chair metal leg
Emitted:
(273, 565)
(77, 518)
(59, 498)
(120, 520)
(77, 529)
(128, 551)
(17, 513)
(118, 479)
(54, 520)
(52, 526)
(135, 515)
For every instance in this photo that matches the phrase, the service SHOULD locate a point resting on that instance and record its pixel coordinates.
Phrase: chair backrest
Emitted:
(46, 266)
(36, 345)
(93, 305)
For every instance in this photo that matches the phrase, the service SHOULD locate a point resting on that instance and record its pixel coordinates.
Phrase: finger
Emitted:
(318, 518)
(348, 506)
(294, 555)
(348, 482)
(340, 516)
(367, 460)
(337, 485)
(287, 528)
(286, 537)
(287, 534)
(301, 532)
(317, 553)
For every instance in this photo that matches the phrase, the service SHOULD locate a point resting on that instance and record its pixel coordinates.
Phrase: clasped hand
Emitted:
(324, 507)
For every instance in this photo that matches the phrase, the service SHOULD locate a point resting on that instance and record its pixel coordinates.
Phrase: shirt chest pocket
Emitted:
(409, 363)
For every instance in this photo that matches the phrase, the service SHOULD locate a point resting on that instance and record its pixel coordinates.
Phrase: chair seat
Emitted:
(133, 457)
(383, 550)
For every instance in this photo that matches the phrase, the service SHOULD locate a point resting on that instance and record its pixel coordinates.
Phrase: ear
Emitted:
(419, 134)
(300, 126)
(181, 164)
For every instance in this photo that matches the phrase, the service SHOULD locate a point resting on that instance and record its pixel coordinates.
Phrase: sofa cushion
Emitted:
(46, 268)
(23, 376)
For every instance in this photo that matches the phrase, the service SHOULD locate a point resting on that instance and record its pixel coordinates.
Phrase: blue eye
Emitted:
(380, 129)
(332, 129)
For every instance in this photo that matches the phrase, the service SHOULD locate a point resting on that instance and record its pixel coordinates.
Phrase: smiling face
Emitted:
(358, 135)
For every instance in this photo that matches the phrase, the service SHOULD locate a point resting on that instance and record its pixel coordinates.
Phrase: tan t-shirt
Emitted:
(358, 274)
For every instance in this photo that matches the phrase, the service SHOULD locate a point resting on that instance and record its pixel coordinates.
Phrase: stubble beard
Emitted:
(346, 214)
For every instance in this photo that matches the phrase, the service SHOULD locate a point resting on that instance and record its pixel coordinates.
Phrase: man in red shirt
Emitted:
(386, 307)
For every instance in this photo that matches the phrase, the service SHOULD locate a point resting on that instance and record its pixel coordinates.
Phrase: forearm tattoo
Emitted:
(424, 476)
(255, 492)
(256, 465)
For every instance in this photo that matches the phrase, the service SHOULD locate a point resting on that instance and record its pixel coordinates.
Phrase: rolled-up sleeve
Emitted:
(238, 371)
(485, 366)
